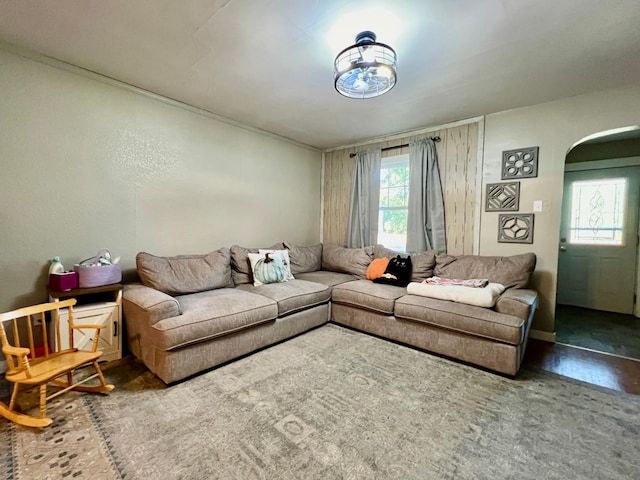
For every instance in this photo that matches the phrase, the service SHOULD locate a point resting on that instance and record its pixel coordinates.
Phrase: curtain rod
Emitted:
(435, 139)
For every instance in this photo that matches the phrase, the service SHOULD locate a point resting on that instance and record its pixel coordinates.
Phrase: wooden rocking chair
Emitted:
(52, 364)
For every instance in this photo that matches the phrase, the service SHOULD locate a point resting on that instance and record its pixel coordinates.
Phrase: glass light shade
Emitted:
(366, 69)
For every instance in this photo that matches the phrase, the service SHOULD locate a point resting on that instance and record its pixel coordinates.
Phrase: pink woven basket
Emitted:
(92, 273)
(98, 276)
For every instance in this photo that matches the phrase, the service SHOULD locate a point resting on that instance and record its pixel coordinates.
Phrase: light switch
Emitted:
(537, 205)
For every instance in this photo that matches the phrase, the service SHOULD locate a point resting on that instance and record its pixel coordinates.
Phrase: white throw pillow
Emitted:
(284, 254)
(267, 268)
(480, 297)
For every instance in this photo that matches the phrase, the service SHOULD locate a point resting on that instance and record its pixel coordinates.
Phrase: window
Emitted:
(394, 195)
(597, 212)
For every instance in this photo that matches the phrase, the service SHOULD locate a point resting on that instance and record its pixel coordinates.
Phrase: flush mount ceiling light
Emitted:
(366, 69)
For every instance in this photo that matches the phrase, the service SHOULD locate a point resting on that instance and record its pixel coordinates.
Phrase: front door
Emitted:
(598, 239)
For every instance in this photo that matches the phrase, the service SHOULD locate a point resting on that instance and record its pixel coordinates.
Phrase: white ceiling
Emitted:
(268, 63)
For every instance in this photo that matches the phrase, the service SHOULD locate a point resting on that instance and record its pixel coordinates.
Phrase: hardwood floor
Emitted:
(598, 330)
(597, 368)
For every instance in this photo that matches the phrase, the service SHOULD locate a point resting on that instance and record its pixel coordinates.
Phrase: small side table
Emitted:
(96, 306)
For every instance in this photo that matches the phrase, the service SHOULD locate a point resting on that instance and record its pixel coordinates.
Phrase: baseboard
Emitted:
(540, 335)
(3, 366)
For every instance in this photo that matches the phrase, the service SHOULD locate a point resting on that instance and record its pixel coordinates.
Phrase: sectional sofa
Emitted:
(193, 312)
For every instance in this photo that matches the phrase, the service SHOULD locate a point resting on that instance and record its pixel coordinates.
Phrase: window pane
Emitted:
(392, 228)
(597, 212)
(384, 198)
(394, 190)
(397, 197)
(399, 175)
(384, 177)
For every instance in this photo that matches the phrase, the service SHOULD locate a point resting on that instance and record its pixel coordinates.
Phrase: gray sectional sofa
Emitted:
(192, 313)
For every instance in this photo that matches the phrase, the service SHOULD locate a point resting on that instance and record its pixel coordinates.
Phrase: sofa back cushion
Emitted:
(240, 265)
(304, 259)
(347, 260)
(423, 263)
(185, 273)
(514, 271)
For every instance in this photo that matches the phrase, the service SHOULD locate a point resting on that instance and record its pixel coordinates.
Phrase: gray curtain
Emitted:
(425, 222)
(365, 200)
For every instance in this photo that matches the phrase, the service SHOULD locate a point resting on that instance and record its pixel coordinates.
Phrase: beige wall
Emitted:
(554, 127)
(458, 163)
(86, 165)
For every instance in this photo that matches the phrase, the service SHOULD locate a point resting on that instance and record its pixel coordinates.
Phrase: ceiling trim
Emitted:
(71, 68)
(407, 133)
(602, 164)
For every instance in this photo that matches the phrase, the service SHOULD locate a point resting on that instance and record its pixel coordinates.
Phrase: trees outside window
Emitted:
(394, 194)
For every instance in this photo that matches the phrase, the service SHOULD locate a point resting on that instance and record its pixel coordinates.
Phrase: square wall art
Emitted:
(503, 197)
(515, 228)
(520, 163)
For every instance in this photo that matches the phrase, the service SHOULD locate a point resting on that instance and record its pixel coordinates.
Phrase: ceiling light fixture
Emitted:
(366, 69)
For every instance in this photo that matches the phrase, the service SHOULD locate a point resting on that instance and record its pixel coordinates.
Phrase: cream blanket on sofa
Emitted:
(480, 297)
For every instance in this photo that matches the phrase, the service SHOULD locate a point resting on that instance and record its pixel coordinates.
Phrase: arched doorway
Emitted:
(598, 260)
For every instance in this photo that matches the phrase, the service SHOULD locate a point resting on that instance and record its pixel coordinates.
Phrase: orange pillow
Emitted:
(376, 268)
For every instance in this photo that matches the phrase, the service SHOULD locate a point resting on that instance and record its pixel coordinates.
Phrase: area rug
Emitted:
(333, 404)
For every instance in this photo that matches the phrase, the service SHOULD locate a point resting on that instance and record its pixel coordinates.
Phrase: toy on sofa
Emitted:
(398, 272)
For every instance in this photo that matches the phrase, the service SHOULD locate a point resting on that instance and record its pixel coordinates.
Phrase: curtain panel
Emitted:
(425, 222)
(365, 199)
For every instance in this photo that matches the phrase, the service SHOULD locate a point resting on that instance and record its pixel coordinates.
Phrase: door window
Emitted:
(598, 212)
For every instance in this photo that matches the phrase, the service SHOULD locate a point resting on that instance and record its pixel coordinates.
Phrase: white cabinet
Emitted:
(105, 313)
(90, 311)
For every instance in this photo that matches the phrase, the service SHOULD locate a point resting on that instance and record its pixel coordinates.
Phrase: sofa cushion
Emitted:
(380, 251)
(304, 259)
(212, 314)
(185, 273)
(422, 263)
(347, 260)
(514, 271)
(368, 295)
(292, 296)
(479, 321)
(240, 265)
(324, 277)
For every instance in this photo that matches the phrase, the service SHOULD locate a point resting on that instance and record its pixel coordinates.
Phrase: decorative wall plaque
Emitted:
(503, 197)
(520, 163)
(515, 228)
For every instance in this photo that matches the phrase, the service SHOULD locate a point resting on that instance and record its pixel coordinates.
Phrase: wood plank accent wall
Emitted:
(458, 163)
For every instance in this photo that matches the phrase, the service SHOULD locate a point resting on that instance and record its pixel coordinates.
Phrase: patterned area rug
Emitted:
(333, 403)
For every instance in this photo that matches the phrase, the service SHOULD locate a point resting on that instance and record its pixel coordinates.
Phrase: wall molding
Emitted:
(541, 335)
(98, 77)
(602, 164)
(322, 198)
(410, 133)
(479, 177)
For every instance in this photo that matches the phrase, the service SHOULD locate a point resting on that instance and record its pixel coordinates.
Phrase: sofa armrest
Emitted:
(518, 302)
(153, 305)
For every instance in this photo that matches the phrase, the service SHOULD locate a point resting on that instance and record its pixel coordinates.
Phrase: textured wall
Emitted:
(554, 127)
(458, 163)
(86, 165)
